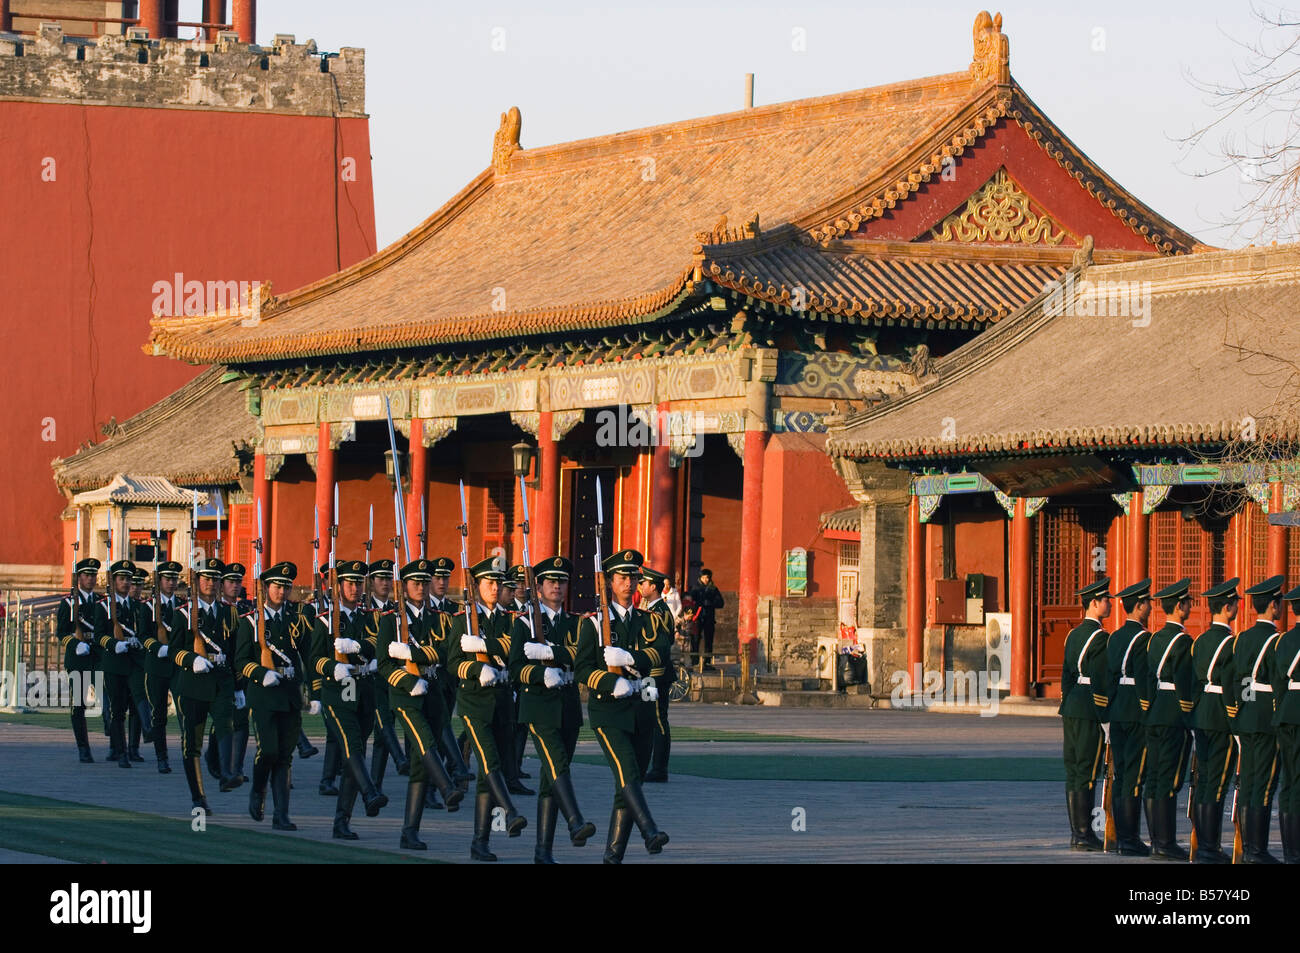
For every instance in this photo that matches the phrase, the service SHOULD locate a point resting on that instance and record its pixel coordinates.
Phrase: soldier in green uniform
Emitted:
(513, 595)
(273, 683)
(139, 718)
(1083, 710)
(614, 701)
(204, 674)
(115, 646)
(345, 664)
(379, 575)
(477, 698)
(232, 607)
(1171, 689)
(1213, 717)
(1126, 663)
(651, 589)
(1286, 723)
(157, 637)
(406, 690)
(543, 667)
(446, 685)
(1251, 669)
(79, 629)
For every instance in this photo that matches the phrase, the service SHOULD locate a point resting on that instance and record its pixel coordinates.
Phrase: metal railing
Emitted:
(30, 642)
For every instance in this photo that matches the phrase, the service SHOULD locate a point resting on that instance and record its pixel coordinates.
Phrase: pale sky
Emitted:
(1115, 76)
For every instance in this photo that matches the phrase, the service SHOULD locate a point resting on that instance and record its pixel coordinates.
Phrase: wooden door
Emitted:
(582, 533)
(1071, 554)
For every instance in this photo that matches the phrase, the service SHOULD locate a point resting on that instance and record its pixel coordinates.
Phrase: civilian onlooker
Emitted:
(673, 598)
(707, 600)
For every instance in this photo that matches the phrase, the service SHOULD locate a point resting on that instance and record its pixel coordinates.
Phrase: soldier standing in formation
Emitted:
(1286, 696)
(541, 664)
(79, 627)
(1214, 715)
(1126, 663)
(1083, 712)
(651, 590)
(1171, 693)
(615, 697)
(1254, 722)
(232, 608)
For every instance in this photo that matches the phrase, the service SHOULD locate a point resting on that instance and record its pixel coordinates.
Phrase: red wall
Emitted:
(720, 502)
(140, 194)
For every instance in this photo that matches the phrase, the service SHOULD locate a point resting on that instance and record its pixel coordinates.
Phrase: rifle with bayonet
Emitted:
(200, 648)
(1108, 800)
(315, 560)
(399, 518)
(533, 609)
(161, 632)
(1237, 846)
(336, 607)
(265, 658)
(470, 590)
(366, 601)
(602, 600)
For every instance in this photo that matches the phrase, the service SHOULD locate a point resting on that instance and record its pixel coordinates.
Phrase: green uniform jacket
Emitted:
(662, 618)
(155, 666)
(322, 661)
(1286, 669)
(92, 624)
(471, 697)
(1252, 656)
(370, 626)
(1170, 707)
(218, 626)
(539, 705)
(1215, 692)
(426, 652)
(110, 661)
(1084, 676)
(230, 615)
(1126, 661)
(638, 635)
(286, 696)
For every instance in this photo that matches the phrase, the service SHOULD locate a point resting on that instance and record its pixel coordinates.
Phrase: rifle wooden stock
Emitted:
(404, 631)
(336, 594)
(160, 628)
(112, 611)
(1108, 802)
(602, 606)
(535, 616)
(200, 647)
(1237, 846)
(1191, 799)
(471, 615)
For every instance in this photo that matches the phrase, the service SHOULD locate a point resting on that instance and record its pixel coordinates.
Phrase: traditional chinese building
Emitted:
(749, 274)
(1138, 420)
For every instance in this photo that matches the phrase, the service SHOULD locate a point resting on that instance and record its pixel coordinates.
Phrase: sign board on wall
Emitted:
(796, 572)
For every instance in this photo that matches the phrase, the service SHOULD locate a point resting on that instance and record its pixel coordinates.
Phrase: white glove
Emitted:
(649, 690)
(239, 700)
(1105, 730)
(201, 664)
(471, 644)
(347, 646)
(83, 648)
(617, 658)
(372, 665)
(121, 648)
(313, 708)
(487, 676)
(162, 651)
(553, 677)
(623, 688)
(218, 659)
(270, 679)
(342, 671)
(421, 687)
(538, 651)
(135, 643)
(399, 650)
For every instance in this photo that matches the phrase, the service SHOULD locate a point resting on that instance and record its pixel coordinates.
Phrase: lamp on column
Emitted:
(522, 455)
(392, 471)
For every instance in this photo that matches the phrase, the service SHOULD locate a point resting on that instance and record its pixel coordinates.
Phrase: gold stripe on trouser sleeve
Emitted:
(343, 738)
(1268, 788)
(1178, 772)
(474, 734)
(613, 757)
(542, 744)
(414, 734)
(1142, 767)
(1223, 781)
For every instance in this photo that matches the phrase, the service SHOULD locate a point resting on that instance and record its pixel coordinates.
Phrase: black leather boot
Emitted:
(239, 749)
(1169, 848)
(379, 761)
(1128, 820)
(226, 749)
(119, 744)
(460, 772)
(212, 756)
(1208, 821)
(634, 798)
(1079, 806)
(343, 809)
(305, 748)
(579, 830)
(620, 829)
(330, 766)
(257, 794)
(1291, 838)
(431, 798)
(1262, 825)
(411, 821)
(1254, 834)
(81, 736)
(354, 770)
(159, 737)
(400, 760)
(280, 798)
(547, 810)
(194, 778)
(436, 773)
(143, 730)
(478, 847)
(515, 822)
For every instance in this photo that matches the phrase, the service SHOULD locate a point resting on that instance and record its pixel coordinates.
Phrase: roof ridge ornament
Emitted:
(506, 142)
(992, 60)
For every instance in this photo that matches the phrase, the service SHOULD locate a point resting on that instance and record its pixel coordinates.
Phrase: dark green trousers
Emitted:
(1083, 749)
(551, 752)
(1216, 765)
(625, 752)
(1259, 767)
(1288, 756)
(483, 742)
(1128, 751)
(351, 725)
(277, 735)
(1168, 752)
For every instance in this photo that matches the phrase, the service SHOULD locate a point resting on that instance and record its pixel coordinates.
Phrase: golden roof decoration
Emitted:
(506, 142)
(999, 212)
(992, 60)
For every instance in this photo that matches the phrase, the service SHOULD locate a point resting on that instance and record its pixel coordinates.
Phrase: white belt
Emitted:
(1084, 680)
(1214, 689)
(1260, 686)
(1293, 686)
(1166, 686)
(1127, 680)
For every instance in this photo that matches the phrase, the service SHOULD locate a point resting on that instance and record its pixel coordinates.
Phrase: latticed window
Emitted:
(848, 555)
(1164, 548)
(498, 515)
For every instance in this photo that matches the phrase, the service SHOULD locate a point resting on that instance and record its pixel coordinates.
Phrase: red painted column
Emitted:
(262, 504)
(1020, 601)
(419, 488)
(545, 528)
(663, 496)
(151, 17)
(243, 20)
(324, 489)
(915, 590)
(214, 11)
(6, 17)
(1139, 549)
(1278, 549)
(751, 526)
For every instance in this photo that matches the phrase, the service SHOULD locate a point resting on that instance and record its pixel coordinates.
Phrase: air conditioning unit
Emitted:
(828, 656)
(997, 648)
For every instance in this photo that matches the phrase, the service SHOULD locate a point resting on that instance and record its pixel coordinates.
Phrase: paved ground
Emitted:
(708, 818)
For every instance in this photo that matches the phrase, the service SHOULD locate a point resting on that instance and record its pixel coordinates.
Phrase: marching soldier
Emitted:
(613, 702)
(1286, 693)
(80, 628)
(272, 670)
(447, 610)
(1171, 691)
(543, 669)
(345, 665)
(1084, 681)
(1213, 716)
(140, 718)
(158, 642)
(116, 643)
(399, 649)
(232, 608)
(1126, 663)
(512, 598)
(380, 577)
(1251, 670)
(204, 676)
(478, 699)
(651, 590)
